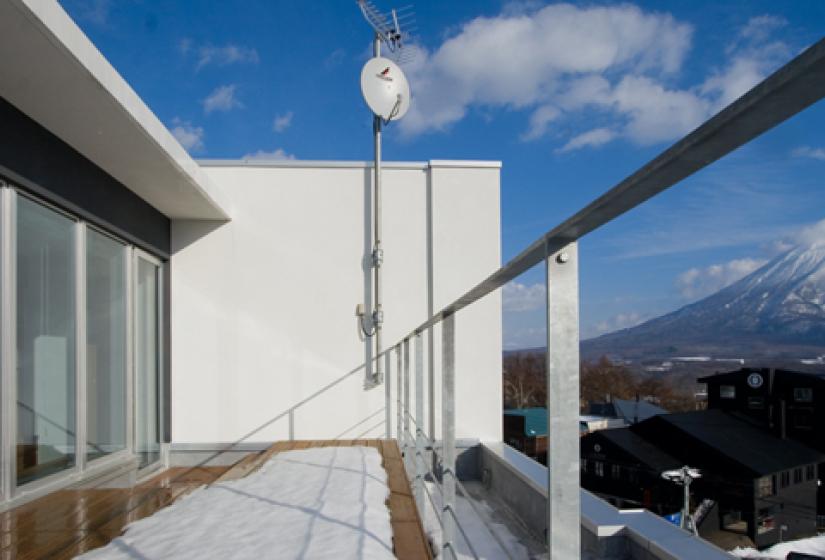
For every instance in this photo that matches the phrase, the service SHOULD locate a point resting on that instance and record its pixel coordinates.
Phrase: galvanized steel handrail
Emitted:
(788, 91)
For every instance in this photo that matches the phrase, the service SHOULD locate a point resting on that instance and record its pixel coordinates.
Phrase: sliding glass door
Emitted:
(81, 365)
(105, 345)
(46, 315)
(147, 359)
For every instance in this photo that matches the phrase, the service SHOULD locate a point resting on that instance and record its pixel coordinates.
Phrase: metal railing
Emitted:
(788, 91)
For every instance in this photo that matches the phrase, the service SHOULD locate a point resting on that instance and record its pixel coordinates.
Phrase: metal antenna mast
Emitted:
(386, 91)
(683, 477)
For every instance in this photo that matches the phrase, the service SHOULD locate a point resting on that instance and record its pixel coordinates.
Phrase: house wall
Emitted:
(263, 316)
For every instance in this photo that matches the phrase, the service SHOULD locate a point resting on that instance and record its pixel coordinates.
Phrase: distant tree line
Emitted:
(525, 384)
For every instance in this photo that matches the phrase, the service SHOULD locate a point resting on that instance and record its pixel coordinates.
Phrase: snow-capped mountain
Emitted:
(778, 310)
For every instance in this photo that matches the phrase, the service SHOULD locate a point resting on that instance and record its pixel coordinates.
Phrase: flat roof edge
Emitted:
(354, 164)
(52, 21)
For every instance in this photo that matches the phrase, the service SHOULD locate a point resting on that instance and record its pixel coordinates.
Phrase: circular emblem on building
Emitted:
(597, 448)
(755, 380)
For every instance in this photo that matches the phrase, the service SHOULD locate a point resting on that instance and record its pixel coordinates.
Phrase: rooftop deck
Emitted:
(70, 522)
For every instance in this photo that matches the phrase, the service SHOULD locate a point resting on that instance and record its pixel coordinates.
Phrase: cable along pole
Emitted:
(387, 93)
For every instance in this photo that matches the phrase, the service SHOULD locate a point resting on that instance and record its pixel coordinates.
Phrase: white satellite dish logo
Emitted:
(755, 380)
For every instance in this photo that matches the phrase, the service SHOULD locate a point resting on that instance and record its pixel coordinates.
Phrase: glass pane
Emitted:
(147, 368)
(105, 345)
(45, 342)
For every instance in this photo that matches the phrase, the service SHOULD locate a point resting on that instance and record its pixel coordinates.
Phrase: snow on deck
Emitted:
(320, 503)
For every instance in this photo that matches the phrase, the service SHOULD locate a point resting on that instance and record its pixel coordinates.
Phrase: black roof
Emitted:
(638, 447)
(755, 449)
(819, 376)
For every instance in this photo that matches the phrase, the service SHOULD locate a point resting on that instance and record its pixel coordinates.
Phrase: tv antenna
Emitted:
(387, 94)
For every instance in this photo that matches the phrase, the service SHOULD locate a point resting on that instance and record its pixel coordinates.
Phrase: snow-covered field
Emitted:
(813, 545)
(324, 503)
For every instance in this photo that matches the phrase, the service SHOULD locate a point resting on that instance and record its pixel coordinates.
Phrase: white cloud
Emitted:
(594, 138)
(561, 59)
(540, 121)
(275, 155)
(520, 59)
(812, 235)
(618, 322)
(752, 55)
(521, 297)
(221, 99)
(520, 338)
(282, 122)
(222, 56)
(701, 282)
(189, 136)
(809, 152)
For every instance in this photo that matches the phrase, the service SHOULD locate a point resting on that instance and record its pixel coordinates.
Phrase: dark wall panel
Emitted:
(38, 161)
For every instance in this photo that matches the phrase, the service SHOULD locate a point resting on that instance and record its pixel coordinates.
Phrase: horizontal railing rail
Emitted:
(785, 93)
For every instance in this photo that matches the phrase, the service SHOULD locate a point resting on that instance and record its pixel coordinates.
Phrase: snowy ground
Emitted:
(813, 545)
(483, 543)
(324, 503)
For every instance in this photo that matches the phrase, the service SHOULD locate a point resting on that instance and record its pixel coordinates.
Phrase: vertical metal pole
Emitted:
(398, 427)
(291, 424)
(686, 498)
(406, 439)
(418, 486)
(563, 499)
(448, 434)
(387, 396)
(377, 252)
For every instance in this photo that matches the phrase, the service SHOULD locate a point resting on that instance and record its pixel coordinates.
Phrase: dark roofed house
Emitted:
(625, 469)
(760, 482)
(631, 411)
(787, 403)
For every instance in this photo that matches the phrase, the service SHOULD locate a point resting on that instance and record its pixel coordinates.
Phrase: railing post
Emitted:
(291, 424)
(418, 486)
(398, 428)
(563, 493)
(387, 394)
(406, 438)
(448, 435)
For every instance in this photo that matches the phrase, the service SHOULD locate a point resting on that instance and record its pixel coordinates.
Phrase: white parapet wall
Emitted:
(263, 306)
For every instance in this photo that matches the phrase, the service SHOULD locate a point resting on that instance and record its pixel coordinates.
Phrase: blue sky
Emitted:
(571, 98)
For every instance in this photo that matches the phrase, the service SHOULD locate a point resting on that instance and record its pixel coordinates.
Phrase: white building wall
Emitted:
(263, 306)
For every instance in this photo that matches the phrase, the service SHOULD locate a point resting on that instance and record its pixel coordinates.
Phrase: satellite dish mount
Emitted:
(387, 93)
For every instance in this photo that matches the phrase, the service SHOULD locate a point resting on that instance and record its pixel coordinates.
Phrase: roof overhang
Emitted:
(53, 73)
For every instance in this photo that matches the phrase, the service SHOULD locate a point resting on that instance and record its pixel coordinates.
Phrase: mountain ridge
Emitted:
(776, 311)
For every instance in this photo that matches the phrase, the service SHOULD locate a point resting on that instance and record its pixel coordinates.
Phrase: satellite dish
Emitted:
(385, 88)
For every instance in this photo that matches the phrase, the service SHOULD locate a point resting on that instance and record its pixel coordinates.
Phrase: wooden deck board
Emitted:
(70, 522)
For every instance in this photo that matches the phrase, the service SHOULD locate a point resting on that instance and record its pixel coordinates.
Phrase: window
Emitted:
(764, 487)
(727, 391)
(616, 472)
(765, 521)
(803, 394)
(105, 344)
(46, 408)
(584, 465)
(810, 472)
(797, 475)
(598, 468)
(785, 479)
(803, 419)
(756, 403)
